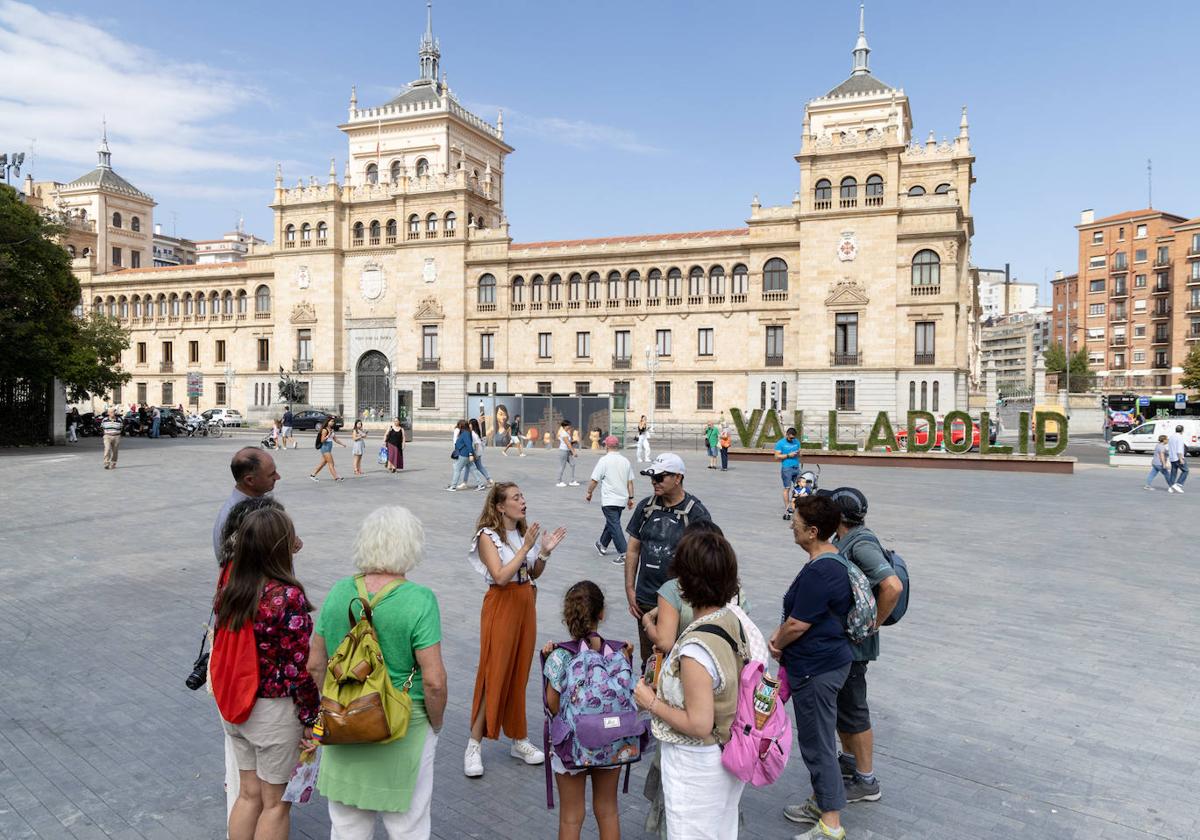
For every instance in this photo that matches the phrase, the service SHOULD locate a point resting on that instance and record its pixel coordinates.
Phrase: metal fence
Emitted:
(25, 409)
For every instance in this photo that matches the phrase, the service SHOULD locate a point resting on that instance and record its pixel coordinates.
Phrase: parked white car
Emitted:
(223, 416)
(1143, 438)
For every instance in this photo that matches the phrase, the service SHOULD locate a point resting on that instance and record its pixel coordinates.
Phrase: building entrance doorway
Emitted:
(373, 391)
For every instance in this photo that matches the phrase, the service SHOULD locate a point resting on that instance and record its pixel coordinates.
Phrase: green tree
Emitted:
(1082, 377)
(1191, 370)
(40, 337)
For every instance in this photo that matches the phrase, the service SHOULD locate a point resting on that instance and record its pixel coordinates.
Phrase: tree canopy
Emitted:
(1082, 376)
(1191, 370)
(40, 336)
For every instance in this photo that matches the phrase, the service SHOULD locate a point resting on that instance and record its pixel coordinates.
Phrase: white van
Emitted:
(1143, 438)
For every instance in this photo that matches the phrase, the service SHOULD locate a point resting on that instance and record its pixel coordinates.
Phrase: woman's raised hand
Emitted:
(551, 540)
(531, 535)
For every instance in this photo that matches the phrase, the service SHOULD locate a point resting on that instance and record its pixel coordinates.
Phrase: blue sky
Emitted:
(627, 117)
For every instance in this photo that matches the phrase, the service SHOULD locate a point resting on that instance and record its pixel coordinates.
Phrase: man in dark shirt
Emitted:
(654, 530)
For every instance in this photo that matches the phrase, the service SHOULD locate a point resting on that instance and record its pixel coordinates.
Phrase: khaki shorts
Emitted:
(268, 742)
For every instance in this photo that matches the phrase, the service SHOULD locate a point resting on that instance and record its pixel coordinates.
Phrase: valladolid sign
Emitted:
(763, 429)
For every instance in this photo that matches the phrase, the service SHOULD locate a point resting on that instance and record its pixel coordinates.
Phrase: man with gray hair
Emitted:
(1177, 455)
(112, 427)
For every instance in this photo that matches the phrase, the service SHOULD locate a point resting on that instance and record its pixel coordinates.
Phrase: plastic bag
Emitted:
(304, 778)
(383, 454)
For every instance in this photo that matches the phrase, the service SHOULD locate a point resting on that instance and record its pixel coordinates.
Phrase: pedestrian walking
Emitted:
(786, 453)
(286, 422)
(477, 450)
(811, 645)
(643, 440)
(514, 438)
(394, 441)
(463, 456)
(1159, 463)
(725, 441)
(262, 589)
(358, 446)
(1177, 456)
(155, 422)
(711, 442)
(510, 555)
(73, 421)
(567, 454)
(392, 781)
(111, 427)
(654, 529)
(326, 438)
(614, 474)
(858, 544)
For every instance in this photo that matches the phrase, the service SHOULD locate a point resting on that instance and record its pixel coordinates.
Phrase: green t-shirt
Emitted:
(406, 620)
(712, 435)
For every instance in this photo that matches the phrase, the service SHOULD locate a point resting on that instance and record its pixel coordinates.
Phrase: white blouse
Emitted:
(507, 548)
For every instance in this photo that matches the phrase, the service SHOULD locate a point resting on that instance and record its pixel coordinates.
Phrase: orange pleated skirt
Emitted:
(507, 635)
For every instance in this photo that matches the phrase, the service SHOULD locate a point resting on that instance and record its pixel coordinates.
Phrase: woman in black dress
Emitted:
(395, 446)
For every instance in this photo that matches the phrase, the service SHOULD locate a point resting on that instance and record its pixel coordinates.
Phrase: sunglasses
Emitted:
(658, 479)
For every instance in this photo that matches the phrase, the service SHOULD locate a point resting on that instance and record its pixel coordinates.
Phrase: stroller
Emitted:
(810, 477)
(268, 442)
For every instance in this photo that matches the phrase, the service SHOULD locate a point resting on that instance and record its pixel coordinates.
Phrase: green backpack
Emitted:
(359, 703)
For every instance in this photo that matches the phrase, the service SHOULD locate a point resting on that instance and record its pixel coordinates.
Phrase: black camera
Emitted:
(199, 675)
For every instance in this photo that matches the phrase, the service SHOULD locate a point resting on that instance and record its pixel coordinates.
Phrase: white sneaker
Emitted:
(1147, 487)
(525, 751)
(481, 487)
(522, 454)
(576, 484)
(1170, 488)
(452, 488)
(560, 484)
(462, 486)
(601, 550)
(1178, 488)
(473, 760)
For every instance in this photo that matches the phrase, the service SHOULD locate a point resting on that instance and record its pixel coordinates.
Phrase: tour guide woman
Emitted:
(510, 555)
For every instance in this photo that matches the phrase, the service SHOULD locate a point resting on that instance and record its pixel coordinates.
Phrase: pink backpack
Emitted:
(758, 756)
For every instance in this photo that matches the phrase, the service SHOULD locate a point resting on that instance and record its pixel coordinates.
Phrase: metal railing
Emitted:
(429, 364)
(844, 359)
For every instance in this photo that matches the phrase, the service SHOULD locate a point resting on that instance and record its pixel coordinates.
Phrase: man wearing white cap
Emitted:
(654, 530)
(614, 474)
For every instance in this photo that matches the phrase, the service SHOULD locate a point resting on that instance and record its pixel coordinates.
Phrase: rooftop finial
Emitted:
(104, 154)
(430, 54)
(861, 50)
(962, 123)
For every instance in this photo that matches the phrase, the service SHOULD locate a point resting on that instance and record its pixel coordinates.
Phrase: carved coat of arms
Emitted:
(847, 248)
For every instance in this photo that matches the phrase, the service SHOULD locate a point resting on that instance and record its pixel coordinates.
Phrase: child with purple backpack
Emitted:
(593, 728)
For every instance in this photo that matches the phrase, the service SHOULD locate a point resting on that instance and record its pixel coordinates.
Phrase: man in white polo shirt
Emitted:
(614, 474)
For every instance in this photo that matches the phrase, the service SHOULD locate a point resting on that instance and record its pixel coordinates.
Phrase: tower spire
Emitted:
(861, 50)
(104, 154)
(430, 53)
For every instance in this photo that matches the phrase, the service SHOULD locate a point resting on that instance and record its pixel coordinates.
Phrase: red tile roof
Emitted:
(1133, 213)
(618, 240)
(1190, 222)
(203, 267)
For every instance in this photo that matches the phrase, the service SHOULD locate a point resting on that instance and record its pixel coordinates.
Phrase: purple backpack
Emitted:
(598, 724)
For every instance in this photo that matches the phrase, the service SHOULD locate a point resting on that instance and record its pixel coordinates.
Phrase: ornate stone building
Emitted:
(398, 284)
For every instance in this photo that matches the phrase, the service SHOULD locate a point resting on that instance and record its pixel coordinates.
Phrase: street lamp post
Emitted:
(652, 371)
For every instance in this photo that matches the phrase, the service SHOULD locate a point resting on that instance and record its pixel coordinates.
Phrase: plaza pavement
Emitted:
(1043, 684)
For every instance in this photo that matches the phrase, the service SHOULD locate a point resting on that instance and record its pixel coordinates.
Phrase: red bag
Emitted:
(233, 668)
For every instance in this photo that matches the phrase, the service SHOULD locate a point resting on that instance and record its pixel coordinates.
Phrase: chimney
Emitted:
(1058, 275)
(1086, 217)
(157, 229)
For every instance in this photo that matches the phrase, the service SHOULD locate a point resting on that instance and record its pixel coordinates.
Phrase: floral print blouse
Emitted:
(282, 627)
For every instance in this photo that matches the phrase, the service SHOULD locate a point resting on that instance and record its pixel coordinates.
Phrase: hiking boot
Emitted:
(805, 812)
(601, 550)
(860, 790)
(473, 759)
(527, 752)
(847, 764)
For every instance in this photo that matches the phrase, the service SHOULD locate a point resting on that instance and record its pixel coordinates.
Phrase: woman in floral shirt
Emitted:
(262, 588)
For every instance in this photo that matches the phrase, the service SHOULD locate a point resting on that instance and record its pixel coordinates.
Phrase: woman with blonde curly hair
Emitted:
(510, 555)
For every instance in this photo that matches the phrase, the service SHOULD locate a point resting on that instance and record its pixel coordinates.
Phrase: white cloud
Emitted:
(63, 74)
(578, 134)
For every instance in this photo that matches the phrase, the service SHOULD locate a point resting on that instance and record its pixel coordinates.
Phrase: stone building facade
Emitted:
(398, 284)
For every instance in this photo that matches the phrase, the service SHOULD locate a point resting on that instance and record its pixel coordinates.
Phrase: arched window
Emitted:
(162, 306)
(518, 289)
(87, 252)
(574, 287)
(71, 251)
(632, 280)
(431, 224)
(375, 229)
(593, 286)
(874, 190)
(189, 308)
(934, 407)
(422, 167)
(823, 194)
(775, 275)
(112, 307)
(926, 269)
(372, 173)
(912, 395)
(741, 279)
(849, 191)
(390, 230)
(449, 223)
(414, 226)
(98, 306)
(116, 220)
(941, 189)
(214, 305)
(124, 308)
(674, 282)
(924, 395)
(614, 285)
(716, 281)
(241, 302)
(289, 233)
(696, 281)
(306, 232)
(227, 303)
(653, 283)
(555, 288)
(358, 233)
(262, 300)
(174, 300)
(373, 389)
(322, 231)
(916, 191)
(487, 289)
(536, 287)
(135, 224)
(201, 305)
(394, 171)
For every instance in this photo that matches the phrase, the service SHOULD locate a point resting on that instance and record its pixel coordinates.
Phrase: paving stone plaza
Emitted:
(1043, 684)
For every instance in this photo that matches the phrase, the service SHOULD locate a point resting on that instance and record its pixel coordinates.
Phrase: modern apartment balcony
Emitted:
(166, 367)
(302, 365)
(622, 362)
(1116, 366)
(1119, 316)
(428, 364)
(487, 364)
(1161, 261)
(844, 359)
(1119, 291)
(1161, 312)
(1193, 306)
(773, 361)
(1161, 288)
(923, 358)
(1118, 341)
(1160, 339)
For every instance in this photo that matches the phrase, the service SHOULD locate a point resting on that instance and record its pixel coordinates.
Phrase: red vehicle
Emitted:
(957, 433)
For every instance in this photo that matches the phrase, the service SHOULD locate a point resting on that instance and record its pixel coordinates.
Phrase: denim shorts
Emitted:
(788, 474)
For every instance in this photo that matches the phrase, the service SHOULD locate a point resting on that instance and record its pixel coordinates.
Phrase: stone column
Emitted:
(1039, 380)
(58, 414)
(989, 384)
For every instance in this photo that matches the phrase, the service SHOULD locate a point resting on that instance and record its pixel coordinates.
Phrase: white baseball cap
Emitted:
(668, 462)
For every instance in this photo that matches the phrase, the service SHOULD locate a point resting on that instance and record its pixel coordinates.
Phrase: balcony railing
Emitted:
(844, 359)
(822, 204)
(923, 358)
(321, 243)
(487, 364)
(357, 242)
(486, 307)
(926, 290)
(302, 365)
(449, 234)
(737, 297)
(428, 364)
(166, 367)
(775, 295)
(412, 234)
(1193, 305)
(1161, 261)
(593, 304)
(1118, 316)
(289, 244)
(874, 201)
(390, 239)
(622, 362)
(846, 203)
(1119, 292)
(1161, 311)
(1118, 341)
(1161, 339)
(305, 243)
(262, 316)
(773, 361)
(374, 240)
(1161, 288)
(264, 364)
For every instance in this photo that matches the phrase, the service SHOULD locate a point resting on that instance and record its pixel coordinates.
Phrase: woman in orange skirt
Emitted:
(510, 555)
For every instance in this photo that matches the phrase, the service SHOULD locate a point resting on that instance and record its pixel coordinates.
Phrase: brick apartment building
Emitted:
(1135, 302)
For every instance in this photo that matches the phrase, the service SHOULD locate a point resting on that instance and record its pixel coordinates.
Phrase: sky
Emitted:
(627, 116)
